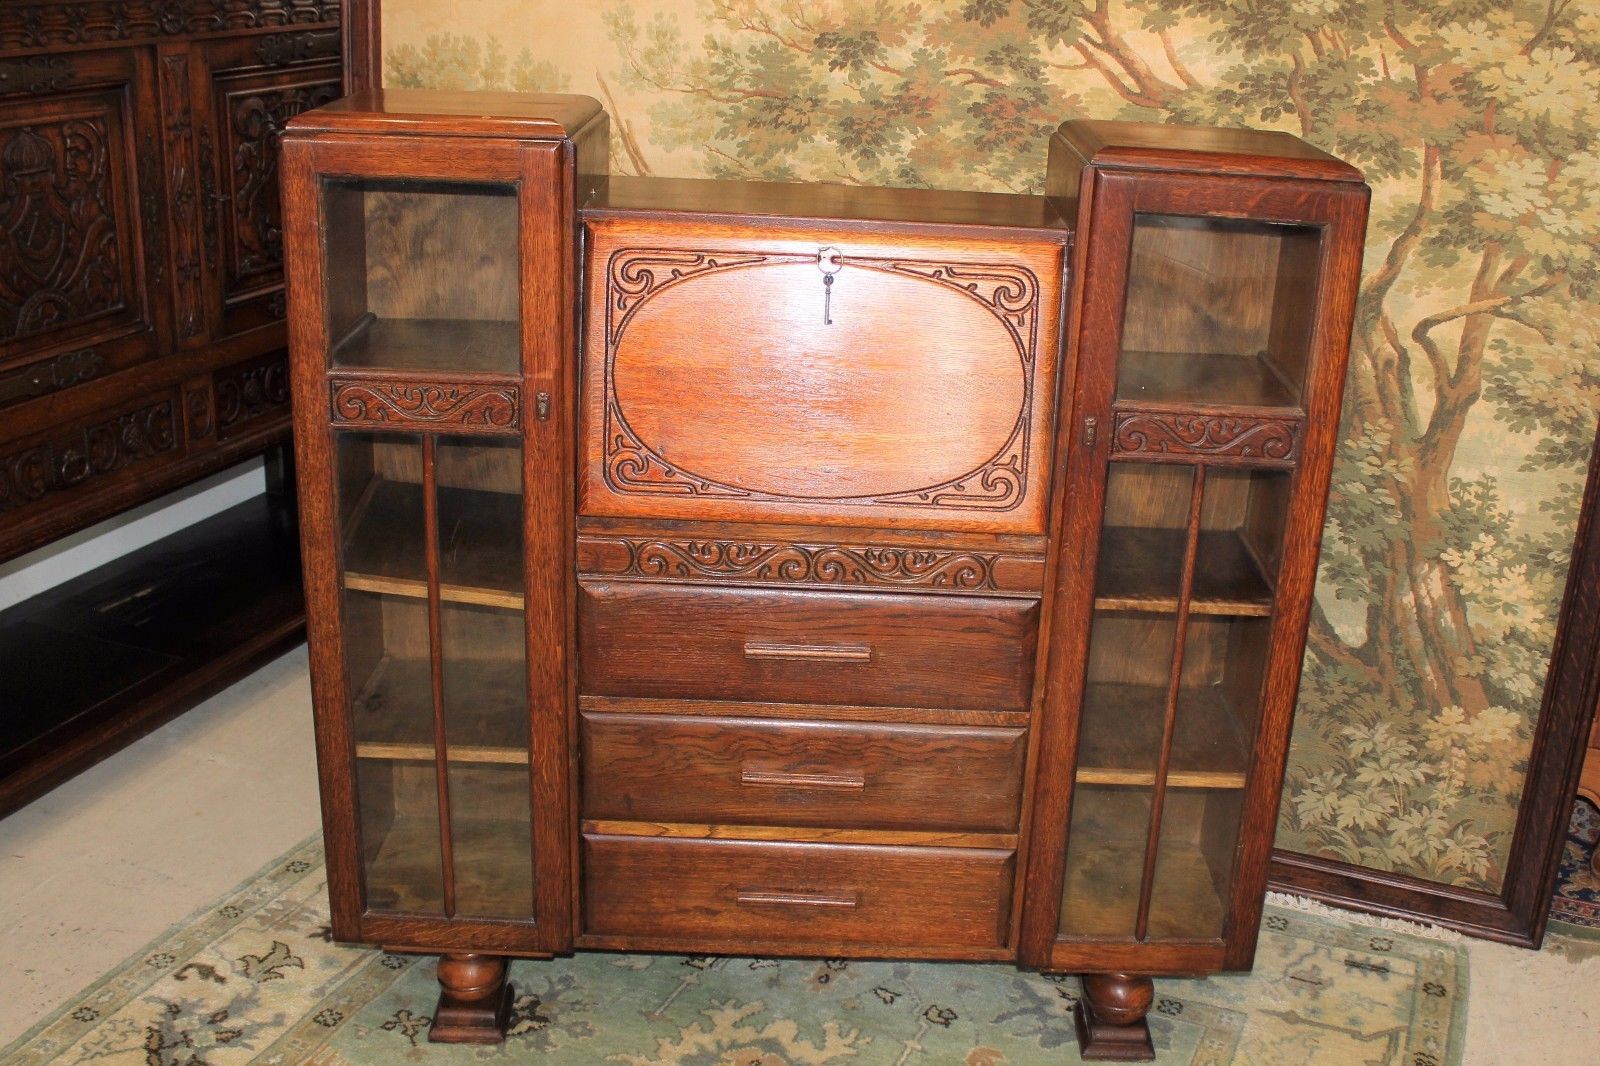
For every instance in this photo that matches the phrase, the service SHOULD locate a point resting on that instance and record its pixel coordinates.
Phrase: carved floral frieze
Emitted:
(785, 563)
(422, 403)
(1158, 433)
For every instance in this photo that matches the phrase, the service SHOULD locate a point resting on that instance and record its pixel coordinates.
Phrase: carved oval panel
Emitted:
(732, 376)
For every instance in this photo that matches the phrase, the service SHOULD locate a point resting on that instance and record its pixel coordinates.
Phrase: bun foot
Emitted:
(1110, 1018)
(474, 1000)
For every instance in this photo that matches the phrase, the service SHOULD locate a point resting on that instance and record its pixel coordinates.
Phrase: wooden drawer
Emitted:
(698, 642)
(753, 771)
(829, 895)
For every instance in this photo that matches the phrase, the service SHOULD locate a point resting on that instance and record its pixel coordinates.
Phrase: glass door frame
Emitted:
(534, 406)
(1111, 198)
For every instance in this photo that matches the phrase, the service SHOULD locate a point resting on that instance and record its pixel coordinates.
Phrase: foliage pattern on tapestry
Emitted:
(1474, 368)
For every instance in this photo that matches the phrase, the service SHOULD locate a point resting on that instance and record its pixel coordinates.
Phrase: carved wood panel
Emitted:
(32, 472)
(60, 252)
(923, 398)
(454, 406)
(76, 260)
(1155, 435)
(42, 25)
(248, 393)
(253, 86)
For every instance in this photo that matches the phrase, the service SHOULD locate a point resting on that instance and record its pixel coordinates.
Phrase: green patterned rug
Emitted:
(255, 978)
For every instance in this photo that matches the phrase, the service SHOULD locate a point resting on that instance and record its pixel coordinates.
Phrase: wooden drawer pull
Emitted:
(760, 897)
(845, 781)
(825, 653)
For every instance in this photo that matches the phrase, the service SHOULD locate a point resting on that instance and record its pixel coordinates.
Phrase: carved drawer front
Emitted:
(724, 380)
(918, 899)
(752, 771)
(872, 649)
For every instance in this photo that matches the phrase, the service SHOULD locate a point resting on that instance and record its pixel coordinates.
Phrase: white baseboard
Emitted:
(47, 567)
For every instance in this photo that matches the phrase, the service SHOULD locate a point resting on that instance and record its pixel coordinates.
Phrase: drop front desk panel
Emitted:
(721, 567)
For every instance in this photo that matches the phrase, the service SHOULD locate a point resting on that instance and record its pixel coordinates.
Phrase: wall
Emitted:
(1475, 371)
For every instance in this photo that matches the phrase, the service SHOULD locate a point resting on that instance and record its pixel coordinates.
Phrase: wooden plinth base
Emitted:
(474, 1000)
(1110, 1018)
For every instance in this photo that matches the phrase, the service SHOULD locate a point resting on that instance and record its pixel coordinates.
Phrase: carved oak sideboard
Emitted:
(739, 568)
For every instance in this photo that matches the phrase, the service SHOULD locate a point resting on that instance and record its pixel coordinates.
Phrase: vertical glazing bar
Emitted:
(1185, 590)
(441, 763)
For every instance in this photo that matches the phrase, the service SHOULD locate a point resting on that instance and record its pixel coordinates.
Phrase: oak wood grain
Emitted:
(798, 773)
(687, 642)
(706, 890)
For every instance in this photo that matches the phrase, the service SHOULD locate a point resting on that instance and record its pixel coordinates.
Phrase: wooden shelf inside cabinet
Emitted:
(392, 716)
(1122, 737)
(1139, 570)
(1199, 379)
(433, 344)
(479, 563)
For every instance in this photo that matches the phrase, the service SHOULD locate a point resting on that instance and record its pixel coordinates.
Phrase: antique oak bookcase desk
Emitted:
(724, 567)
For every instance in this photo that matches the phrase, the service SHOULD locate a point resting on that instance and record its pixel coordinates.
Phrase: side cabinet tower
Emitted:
(894, 573)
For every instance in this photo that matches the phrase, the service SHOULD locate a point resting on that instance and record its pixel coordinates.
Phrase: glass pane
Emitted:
(386, 661)
(1141, 545)
(480, 522)
(421, 275)
(484, 663)
(381, 514)
(1194, 862)
(1218, 311)
(486, 735)
(1242, 522)
(1105, 860)
(399, 801)
(1131, 646)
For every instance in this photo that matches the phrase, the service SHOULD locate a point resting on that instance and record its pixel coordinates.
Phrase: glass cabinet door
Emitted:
(435, 656)
(420, 305)
(1181, 622)
(1202, 383)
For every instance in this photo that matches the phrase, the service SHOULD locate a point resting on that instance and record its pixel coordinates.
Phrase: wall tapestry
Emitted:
(1475, 368)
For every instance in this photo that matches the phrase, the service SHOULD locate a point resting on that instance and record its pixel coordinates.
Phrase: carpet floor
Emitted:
(255, 978)
(1575, 911)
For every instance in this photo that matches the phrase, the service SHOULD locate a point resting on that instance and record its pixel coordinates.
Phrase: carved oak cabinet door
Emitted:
(81, 220)
(248, 89)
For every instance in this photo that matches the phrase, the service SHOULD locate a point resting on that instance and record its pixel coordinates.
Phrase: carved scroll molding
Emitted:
(1153, 434)
(277, 49)
(1008, 291)
(35, 74)
(29, 475)
(41, 25)
(60, 260)
(248, 391)
(50, 375)
(426, 404)
(784, 563)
